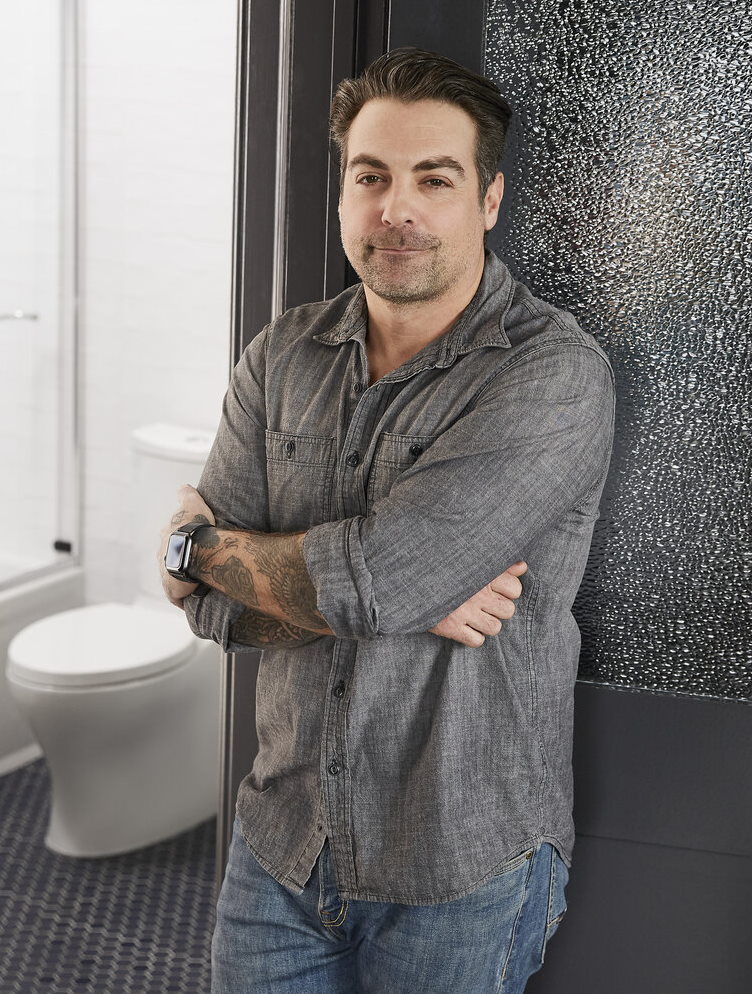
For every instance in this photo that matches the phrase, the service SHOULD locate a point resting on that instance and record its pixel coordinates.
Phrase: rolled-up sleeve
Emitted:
(533, 446)
(234, 484)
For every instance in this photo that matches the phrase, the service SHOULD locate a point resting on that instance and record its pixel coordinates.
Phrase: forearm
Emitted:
(257, 630)
(266, 573)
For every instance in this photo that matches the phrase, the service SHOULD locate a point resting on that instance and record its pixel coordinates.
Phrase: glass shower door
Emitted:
(37, 329)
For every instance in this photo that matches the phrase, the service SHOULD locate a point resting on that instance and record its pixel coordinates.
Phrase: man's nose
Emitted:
(397, 206)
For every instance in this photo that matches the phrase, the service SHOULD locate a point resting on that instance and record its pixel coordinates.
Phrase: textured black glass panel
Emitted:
(628, 203)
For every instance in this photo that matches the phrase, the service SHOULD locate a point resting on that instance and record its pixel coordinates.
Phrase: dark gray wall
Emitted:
(659, 893)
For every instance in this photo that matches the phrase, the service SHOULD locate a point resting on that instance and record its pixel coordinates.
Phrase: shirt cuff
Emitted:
(344, 586)
(210, 615)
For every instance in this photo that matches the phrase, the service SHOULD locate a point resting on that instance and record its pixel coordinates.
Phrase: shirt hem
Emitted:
(281, 878)
(418, 901)
(360, 894)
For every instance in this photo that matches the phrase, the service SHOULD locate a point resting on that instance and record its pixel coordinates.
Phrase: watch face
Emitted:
(174, 554)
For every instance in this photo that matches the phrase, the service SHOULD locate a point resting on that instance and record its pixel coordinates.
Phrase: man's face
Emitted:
(410, 212)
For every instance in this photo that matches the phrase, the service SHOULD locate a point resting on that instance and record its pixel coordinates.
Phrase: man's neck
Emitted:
(396, 332)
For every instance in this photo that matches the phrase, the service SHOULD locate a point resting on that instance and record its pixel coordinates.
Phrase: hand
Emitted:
(192, 505)
(479, 616)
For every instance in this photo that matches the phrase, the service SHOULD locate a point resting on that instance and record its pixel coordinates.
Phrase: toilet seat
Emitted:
(100, 644)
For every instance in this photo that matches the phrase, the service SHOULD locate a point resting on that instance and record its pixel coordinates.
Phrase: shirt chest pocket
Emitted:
(393, 455)
(299, 470)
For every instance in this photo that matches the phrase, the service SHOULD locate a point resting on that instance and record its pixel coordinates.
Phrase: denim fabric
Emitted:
(426, 763)
(269, 940)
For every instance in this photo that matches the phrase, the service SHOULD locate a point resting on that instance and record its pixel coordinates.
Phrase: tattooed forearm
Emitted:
(236, 580)
(256, 629)
(266, 572)
(281, 561)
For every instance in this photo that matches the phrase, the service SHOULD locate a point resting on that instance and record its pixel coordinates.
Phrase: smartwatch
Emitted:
(179, 547)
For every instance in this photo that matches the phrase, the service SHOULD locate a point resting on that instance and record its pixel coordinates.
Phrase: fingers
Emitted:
(517, 569)
(459, 633)
(470, 637)
(500, 607)
(470, 630)
(486, 624)
(507, 585)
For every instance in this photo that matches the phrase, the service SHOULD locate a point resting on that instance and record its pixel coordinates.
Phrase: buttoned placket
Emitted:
(369, 403)
(350, 500)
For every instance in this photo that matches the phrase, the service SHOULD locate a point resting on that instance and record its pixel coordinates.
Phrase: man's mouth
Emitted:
(402, 249)
(402, 243)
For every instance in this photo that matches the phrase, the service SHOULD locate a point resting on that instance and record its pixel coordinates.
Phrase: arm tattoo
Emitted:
(230, 574)
(237, 580)
(281, 561)
(268, 574)
(256, 629)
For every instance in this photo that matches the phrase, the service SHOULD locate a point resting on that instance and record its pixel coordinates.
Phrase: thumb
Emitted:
(517, 569)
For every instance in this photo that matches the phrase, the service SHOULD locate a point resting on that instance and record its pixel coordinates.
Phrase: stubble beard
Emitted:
(413, 279)
(406, 287)
(402, 280)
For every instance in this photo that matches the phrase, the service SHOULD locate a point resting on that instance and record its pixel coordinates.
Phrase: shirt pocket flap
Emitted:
(392, 456)
(299, 471)
(307, 450)
(401, 450)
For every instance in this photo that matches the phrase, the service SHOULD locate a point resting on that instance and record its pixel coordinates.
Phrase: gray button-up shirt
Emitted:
(428, 764)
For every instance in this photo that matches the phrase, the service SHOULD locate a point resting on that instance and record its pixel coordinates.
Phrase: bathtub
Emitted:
(20, 604)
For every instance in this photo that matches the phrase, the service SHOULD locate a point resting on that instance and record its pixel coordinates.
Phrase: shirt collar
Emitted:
(481, 324)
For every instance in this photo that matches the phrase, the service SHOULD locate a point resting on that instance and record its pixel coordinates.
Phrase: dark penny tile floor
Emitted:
(139, 923)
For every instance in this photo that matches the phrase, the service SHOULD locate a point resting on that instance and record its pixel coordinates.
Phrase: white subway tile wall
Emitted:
(158, 129)
(29, 281)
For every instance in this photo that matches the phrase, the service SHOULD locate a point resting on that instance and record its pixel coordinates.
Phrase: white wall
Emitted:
(29, 280)
(158, 120)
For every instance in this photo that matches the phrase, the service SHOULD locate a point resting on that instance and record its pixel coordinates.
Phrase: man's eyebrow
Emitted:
(366, 160)
(440, 162)
(425, 166)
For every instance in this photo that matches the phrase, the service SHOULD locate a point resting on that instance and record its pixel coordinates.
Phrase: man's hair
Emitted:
(411, 74)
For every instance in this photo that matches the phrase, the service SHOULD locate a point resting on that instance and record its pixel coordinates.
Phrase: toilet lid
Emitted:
(100, 644)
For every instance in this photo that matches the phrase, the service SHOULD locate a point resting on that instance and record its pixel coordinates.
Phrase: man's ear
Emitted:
(492, 201)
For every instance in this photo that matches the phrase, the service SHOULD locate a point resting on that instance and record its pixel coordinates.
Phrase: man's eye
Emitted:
(369, 179)
(435, 182)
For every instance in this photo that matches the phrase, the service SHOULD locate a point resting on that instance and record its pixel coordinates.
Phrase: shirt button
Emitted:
(339, 690)
(334, 768)
(353, 459)
(415, 450)
(358, 388)
(289, 449)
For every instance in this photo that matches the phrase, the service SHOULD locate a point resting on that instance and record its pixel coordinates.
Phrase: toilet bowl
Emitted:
(124, 698)
(124, 701)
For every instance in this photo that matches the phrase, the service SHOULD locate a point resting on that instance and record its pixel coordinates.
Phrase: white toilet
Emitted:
(123, 698)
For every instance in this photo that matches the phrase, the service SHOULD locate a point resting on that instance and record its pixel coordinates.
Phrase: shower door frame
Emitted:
(67, 539)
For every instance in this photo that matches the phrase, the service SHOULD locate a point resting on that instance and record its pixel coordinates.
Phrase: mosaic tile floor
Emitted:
(139, 923)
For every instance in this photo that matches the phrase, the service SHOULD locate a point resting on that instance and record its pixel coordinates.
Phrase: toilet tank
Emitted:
(164, 457)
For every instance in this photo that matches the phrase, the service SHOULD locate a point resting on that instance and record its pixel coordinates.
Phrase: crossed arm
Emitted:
(267, 573)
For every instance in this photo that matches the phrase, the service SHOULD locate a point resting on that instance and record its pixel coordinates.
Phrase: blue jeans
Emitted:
(269, 940)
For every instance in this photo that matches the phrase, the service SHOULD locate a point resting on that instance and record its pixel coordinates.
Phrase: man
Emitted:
(387, 463)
